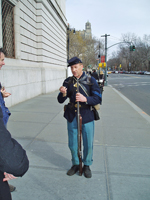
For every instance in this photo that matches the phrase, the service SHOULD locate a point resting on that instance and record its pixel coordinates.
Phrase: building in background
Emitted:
(87, 33)
(33, 33)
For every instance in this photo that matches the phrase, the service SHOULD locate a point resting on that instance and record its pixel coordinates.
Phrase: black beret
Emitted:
(74, 61)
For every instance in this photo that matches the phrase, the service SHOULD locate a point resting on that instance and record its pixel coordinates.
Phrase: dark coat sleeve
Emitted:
(13, 158)
(96, 96)
(60, 97)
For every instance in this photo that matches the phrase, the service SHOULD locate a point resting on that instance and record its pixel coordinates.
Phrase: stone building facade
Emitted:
(36, 63)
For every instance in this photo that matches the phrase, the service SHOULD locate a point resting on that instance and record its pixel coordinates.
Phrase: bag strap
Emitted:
(82, 81)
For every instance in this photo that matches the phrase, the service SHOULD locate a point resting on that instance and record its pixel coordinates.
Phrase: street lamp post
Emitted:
(68, 39)
(99, 56)
(105, 83)
(68, 71)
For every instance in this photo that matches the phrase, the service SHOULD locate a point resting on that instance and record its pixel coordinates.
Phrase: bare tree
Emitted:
(85, 48)
(138, 59)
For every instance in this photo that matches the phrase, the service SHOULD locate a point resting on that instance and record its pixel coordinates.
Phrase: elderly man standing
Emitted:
(88, 96)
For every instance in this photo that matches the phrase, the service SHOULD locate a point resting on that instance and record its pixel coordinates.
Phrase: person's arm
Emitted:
(62, 96)
(8, 177)
(97, 76)
(4, 93)
(80, 97)
(96, 96)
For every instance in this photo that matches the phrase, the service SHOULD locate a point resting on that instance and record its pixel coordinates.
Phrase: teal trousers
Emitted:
(87, 138)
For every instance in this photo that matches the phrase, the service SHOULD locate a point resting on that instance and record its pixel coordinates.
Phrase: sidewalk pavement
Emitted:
(121, 161)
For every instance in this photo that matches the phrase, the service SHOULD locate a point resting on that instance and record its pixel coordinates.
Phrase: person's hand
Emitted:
(63, 89)
(80, 97)
(5, 94)
(8, 177)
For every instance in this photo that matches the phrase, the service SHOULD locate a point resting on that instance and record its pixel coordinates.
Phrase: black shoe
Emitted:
(12, 188)
(87, 172)
(73, 170)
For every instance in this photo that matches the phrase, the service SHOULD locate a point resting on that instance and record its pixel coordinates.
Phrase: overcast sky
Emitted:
(114, 17)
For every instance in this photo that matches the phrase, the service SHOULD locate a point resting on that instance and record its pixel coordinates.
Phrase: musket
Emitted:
(79, 122)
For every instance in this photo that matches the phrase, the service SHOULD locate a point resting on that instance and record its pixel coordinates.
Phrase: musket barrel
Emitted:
(79, 122)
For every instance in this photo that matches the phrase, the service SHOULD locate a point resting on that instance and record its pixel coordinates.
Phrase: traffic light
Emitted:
(133, 48)
(130, 48)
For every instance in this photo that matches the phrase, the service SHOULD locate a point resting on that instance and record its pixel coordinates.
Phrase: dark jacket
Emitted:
(95, 75)
(5, 110)
(89, 88)
(101, 76)
(13, 158)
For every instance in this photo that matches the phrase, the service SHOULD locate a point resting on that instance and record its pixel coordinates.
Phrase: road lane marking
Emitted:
(139, 110)
(132, 76)
(131, 84)
(144, 113)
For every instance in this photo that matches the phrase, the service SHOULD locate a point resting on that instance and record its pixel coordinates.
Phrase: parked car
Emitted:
(141, 72)
(109, 72)
(147, 73)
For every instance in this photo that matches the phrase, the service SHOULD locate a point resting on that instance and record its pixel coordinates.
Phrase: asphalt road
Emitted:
(135, 87)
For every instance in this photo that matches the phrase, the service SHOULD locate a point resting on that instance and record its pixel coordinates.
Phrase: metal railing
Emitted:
(8, 28)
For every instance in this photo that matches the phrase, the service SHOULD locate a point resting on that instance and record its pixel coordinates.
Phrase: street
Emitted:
(135, 87)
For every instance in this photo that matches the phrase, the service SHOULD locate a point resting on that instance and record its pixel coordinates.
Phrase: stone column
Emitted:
(17, 31)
